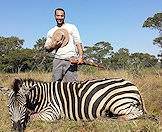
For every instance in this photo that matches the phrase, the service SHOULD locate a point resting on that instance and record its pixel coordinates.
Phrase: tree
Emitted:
(99, 51)
(145, 59)
(40, 43)
(42, 59)
(120, 59)
(10, 43)
(155, 22)
(17, 60)
(14, 58)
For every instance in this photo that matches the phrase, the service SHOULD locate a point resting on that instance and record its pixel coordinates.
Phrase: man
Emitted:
(63, 66)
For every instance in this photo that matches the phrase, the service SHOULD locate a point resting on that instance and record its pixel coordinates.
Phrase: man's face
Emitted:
(60, 16)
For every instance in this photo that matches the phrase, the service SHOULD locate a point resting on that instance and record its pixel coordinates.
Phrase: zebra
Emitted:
(87, 100)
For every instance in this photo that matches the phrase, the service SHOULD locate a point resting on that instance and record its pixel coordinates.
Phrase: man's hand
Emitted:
(80, 59)
(76, 60)
(73, 60)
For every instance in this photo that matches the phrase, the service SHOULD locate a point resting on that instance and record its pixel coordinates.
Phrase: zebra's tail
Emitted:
(146, 115)
(151, 117)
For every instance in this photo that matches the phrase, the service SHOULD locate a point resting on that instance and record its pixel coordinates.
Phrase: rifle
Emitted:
(86, 61)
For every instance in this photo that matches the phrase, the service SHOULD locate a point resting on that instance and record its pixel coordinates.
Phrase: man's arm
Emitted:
(77, 40)
(48, 44)
(80, 52)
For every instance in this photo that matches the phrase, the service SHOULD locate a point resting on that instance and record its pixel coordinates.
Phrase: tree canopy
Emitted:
(10, 43)
(155, 22)
(15, 58)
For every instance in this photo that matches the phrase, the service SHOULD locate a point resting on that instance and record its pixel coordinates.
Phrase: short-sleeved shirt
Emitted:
(70, 49)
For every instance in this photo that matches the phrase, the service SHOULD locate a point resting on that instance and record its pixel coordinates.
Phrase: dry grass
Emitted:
(149, 84)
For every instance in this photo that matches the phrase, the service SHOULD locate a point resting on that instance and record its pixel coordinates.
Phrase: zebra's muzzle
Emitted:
(17, 127)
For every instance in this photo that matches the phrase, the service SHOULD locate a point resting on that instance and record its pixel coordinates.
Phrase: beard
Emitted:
(60, 22)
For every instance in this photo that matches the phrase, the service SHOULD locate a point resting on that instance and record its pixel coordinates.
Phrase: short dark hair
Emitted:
(61, 9)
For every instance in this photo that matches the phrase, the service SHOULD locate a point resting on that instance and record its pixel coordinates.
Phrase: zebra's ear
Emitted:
(16, 84)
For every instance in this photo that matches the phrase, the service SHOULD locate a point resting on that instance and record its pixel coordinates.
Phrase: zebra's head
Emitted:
(17, 105)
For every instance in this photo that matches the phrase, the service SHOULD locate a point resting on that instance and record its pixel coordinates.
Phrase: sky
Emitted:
(118, 22)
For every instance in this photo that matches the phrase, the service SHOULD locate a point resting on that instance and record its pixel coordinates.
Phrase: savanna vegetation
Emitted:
(150, 86)
(143, 69)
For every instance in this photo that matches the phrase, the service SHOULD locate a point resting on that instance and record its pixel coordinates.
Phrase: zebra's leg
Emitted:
(132, 112)
(46, 114)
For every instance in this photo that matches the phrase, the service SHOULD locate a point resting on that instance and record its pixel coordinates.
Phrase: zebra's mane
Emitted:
(32, 81)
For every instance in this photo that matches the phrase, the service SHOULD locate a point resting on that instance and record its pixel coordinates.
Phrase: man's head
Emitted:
(59, 16)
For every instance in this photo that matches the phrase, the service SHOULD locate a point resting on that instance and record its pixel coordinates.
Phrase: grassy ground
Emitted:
(149, 83)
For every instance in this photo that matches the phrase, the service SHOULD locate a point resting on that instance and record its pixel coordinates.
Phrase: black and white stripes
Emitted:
(81, 101)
